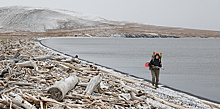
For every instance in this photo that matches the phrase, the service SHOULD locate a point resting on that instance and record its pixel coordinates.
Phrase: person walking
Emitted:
(155, 65)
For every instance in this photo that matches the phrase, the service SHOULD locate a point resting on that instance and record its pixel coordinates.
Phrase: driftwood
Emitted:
(60, 88)
(136, 91)
(40, 58)
(210, 104)
(93, 84)
(158, 67)
(9, 90)
(35, 82)
(28, 64)
(71, 66)
(20, 83)
(7, 104)
(134, 97)
(31, 64)
(12, 62)
(165, 102)
(126, 79)
(18, 100)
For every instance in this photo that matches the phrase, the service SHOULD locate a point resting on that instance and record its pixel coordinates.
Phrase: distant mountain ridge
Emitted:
(23, 21)
(43, 19)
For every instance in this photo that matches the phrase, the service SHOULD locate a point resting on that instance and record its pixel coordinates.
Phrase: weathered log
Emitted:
(12, 62)
(19, 83)
(18, 100)
(28, 64)
(82, 84)
(136, 91)
(29, 97)
(71, 66)
(210, 104)
(60, 88)
(165, 102)
(56, 102)
(92, 72)
(93, 84)
(134, 97)
(63, 66)
(31, 64)
(40, 58)
(5, 103)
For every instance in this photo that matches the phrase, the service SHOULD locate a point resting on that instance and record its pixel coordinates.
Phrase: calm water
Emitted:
(191, 64)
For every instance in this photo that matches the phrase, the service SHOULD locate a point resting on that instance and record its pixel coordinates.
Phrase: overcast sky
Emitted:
(198, 14)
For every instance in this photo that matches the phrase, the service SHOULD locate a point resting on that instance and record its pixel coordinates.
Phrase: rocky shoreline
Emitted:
(29, 71)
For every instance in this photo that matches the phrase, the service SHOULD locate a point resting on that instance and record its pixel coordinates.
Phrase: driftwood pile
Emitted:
(32, 77)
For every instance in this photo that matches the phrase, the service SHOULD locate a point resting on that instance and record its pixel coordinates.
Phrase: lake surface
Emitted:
(191, 64)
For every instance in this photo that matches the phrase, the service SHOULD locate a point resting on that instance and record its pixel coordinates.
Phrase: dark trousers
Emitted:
(155, 74)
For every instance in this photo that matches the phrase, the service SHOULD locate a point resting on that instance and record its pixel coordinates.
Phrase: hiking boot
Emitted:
(152, 84)
(156, 85)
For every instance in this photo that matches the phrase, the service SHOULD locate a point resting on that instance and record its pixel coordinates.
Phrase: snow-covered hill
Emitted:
(43, 19)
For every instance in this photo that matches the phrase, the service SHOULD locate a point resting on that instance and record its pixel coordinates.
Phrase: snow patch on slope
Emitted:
(43, 19)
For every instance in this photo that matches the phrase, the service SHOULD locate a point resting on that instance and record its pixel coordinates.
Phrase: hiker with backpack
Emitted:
(155, 65)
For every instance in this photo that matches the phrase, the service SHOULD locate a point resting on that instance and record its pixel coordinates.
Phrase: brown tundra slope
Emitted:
(19, 21)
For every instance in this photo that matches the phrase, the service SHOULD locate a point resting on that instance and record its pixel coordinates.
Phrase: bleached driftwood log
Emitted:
(93, 84)
(4, 104)
(60, 88)
(40, 58)
(31, 64)
(135, 90)
(18, 100)
(134, 97)
(25, 64)
(12, 62)
(165, 102)
(71, 66)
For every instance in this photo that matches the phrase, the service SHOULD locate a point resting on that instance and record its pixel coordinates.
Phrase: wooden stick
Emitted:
(158, 67)
(9, 89)
(71, 66)
(29, 97)
(210, 104)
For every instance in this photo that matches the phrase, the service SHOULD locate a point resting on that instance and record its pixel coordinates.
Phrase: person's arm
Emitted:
(151, 63)
(160, 64)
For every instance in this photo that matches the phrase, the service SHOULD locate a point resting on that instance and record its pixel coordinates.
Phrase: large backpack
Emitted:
(154, 53)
